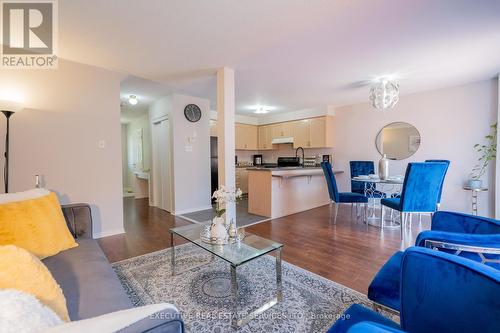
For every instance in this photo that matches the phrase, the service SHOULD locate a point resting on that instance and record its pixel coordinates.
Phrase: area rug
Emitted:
(201, 291)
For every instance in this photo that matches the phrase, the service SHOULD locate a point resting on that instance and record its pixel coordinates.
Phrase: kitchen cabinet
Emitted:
(242, 179)
(282, 130)
(313, 133)
(213, 128)
(246, 137)
(265, 137)
(317, 132)
(301, 133)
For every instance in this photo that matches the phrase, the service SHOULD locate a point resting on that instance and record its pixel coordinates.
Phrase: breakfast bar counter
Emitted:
(276, 192)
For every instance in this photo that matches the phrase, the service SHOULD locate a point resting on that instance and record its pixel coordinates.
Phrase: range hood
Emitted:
(277, 141)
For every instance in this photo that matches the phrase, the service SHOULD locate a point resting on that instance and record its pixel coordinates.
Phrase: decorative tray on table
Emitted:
(205, 237)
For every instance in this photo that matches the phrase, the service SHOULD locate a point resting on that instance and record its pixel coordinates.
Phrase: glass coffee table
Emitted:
(237, 254)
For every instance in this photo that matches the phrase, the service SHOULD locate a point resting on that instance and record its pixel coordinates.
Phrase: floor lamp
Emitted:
(8, 109)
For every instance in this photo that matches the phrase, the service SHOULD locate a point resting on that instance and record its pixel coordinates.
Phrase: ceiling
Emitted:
(289, 54)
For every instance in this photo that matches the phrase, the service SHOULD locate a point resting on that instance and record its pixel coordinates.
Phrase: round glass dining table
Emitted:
(375, 189)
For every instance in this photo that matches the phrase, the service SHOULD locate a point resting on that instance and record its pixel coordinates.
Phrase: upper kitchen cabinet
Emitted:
(282, 130)
(313, 133)
(213, 128)
(265, 137)
(246, 137)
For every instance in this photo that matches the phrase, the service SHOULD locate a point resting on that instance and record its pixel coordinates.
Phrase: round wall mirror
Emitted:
(398, 140)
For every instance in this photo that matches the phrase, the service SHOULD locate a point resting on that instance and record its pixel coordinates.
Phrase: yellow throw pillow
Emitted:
(36, 225)
(22, 271)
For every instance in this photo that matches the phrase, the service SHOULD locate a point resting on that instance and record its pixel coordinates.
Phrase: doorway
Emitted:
(162, 186)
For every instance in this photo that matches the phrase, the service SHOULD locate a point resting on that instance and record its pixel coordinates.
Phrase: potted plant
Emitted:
(219, 226)
(488, 152)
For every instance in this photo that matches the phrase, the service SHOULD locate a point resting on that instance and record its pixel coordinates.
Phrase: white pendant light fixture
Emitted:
(384, 94)
(133, 100)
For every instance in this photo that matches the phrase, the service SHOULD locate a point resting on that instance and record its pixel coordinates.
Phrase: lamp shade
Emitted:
(11, 106)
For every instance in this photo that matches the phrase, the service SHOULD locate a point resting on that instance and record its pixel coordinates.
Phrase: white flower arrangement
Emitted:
(223, 196)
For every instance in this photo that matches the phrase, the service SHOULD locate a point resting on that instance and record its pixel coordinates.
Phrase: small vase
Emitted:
(233, 230)
(383, 167)
(475, 183)
(218, 230)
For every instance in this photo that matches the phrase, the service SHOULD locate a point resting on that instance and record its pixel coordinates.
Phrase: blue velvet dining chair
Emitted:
(420, 193)
(363, 168)
(440, 292)
(337, 197)
(473, 237)
(447, 162)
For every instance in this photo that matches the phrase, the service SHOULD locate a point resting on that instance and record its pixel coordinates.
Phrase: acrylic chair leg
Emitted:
(419, 218)
(382, 215)
(366, 213)
(336, 208)
(403, 224)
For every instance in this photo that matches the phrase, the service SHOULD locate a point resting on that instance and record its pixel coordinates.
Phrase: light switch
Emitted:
(101, 144)
(188, 149)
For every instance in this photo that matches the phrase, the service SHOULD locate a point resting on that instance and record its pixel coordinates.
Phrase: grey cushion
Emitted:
(166, 321)
(89, 284)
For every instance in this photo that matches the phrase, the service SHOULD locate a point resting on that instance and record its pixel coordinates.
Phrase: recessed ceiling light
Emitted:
(262, 110)
(133, 100)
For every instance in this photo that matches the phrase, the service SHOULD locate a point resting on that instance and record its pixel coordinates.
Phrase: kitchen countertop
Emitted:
(288, 172)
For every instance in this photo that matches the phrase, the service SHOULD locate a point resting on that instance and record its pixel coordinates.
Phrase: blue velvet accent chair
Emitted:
(340, 197)
(363, 168)
(442, 183)
(440, 292)
(420, 192)
(473, 237)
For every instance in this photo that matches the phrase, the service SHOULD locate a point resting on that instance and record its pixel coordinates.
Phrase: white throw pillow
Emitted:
(22, 312)
(22, 196)
(110, 322)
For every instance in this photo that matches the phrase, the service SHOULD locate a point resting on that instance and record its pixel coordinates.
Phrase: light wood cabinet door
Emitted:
(241, 180)
(239, 136)
(265, 137)
(246, 137)
(252, 138)
(213, 128)
(301, 129)
(317, 132)
(282, 130)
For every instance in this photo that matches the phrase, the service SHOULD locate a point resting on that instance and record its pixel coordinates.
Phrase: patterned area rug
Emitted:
(201, 291)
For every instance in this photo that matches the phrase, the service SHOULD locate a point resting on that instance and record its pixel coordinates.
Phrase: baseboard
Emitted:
(191, 210)
(108, 233)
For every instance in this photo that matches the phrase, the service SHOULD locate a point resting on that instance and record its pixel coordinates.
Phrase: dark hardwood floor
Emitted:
(349, 252)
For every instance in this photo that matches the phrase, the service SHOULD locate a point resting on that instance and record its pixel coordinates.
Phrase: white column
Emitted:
(225, 132)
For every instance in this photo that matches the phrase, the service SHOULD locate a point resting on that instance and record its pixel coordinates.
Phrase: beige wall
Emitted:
(450, 122)
(68, 111)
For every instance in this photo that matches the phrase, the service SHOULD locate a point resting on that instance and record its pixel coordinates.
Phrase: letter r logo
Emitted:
(27, 27)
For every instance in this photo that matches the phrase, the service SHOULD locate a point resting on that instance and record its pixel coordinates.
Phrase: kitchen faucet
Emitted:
(296, 155)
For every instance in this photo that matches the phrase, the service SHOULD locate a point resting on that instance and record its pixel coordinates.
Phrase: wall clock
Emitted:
(192, 112)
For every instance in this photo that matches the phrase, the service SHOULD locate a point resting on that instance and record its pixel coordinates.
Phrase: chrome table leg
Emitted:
(172, 253)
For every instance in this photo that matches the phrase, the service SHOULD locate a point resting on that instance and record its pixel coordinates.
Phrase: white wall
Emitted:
(191, 160)
(450, 122)
(68, 111)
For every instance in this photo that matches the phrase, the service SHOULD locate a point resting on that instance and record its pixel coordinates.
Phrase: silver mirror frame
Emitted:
(393, 123)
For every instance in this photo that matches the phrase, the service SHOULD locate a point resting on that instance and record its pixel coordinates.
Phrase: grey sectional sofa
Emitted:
(88, 281)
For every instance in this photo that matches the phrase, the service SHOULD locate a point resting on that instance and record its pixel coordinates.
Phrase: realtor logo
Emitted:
(29, 34)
